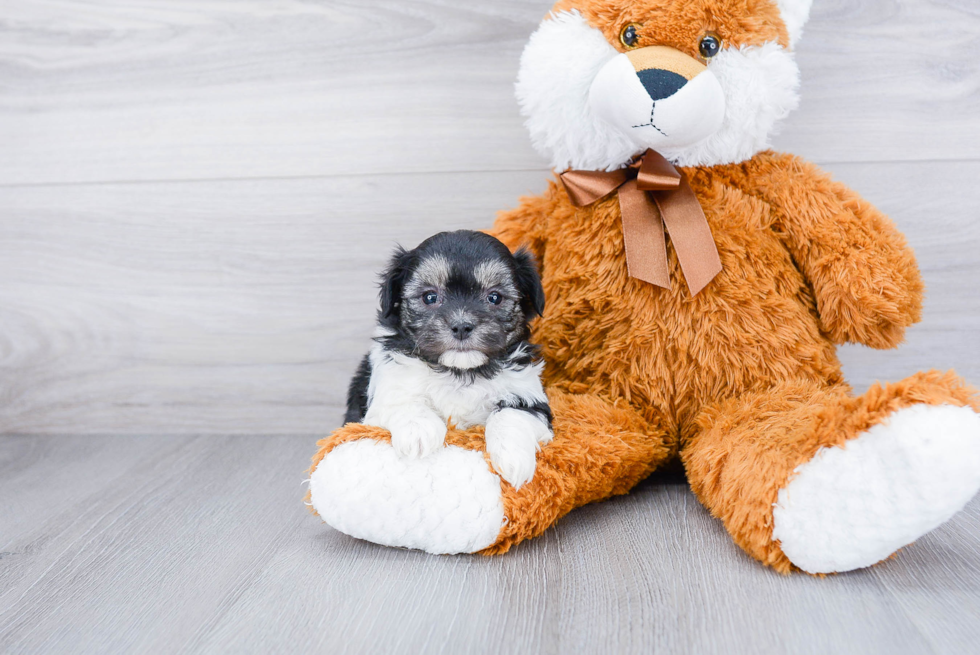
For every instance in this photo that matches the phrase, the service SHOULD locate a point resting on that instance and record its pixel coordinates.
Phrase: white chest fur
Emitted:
(398, 380)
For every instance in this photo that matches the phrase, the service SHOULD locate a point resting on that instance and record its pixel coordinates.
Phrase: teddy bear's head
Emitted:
(703, 82)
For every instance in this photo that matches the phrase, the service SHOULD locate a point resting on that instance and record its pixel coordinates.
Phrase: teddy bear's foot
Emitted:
(446, 502)
(854, 505)
(806, 476)
(452, 501)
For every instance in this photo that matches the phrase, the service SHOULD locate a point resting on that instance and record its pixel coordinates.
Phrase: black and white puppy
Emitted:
(452, 345)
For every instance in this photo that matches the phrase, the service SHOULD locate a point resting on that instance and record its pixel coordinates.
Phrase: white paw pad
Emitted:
(853, 506)
(448, 502)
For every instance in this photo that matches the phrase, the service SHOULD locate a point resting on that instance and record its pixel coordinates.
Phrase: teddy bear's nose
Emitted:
(663, 71)
(660, 83)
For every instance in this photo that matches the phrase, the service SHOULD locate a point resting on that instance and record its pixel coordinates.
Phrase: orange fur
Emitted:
(745, 375)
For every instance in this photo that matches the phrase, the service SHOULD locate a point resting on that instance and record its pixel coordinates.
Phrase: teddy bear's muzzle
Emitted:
(659, 97)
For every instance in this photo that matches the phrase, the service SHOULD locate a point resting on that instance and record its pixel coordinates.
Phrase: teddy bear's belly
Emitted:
(606, 333)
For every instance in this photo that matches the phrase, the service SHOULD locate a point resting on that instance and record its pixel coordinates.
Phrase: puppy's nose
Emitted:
(462, 329)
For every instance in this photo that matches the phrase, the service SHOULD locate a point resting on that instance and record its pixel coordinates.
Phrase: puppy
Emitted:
(452, 346)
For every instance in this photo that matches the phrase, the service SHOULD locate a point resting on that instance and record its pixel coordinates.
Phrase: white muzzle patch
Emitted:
(664, 111)
(463, 359)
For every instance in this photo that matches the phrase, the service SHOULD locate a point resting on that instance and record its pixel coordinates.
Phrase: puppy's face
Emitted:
(462, 298)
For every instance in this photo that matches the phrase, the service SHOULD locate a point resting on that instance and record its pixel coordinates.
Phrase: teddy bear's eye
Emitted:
(710, 45)
(630, 35)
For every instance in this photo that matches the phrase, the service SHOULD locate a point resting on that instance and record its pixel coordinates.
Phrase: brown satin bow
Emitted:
(653, 193)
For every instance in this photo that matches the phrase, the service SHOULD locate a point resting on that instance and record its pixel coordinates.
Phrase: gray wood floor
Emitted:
(201, 544)
(194, 199)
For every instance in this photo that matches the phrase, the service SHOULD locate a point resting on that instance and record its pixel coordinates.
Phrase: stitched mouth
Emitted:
(653, 109)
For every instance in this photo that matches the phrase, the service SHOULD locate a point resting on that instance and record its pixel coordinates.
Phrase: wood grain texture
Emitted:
(191, 544)
(240, 306)
(156, 90)
(244, 306)
(195, 198)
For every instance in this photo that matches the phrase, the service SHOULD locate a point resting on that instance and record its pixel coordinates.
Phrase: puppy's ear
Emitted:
(392, 282)
(529, 283)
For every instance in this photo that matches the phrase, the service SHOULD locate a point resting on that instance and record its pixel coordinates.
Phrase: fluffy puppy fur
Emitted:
(452, 346)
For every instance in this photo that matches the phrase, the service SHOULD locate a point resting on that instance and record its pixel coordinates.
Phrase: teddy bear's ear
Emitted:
(795, 14)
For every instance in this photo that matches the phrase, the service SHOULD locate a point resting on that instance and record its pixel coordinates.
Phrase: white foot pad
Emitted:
(852, 507)
(446, 502)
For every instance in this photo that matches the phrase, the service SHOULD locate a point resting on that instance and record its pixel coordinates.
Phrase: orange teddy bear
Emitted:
(715, 345)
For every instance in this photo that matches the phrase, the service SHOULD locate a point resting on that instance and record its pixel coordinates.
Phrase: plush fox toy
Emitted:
(697, 284)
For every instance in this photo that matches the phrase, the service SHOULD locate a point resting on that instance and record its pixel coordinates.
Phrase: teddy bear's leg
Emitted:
(806, 475)
(452, 501)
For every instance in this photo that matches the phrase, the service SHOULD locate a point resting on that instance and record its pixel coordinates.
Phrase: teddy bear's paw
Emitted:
(853, 506)
(513, 438)
(417, 434)
(448, 502)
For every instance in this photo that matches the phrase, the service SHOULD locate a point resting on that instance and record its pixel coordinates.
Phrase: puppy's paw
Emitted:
(416, 434)
(514, 459)
(512, 438)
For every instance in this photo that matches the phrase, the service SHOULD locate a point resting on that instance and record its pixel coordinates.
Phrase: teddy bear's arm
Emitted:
(862, 270)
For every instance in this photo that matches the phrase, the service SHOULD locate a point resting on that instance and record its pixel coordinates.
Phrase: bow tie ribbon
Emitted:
(652, 194)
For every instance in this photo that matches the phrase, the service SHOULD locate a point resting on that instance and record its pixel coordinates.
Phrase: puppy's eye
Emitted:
(630, 35)
(494, 298)
(710, 45)
(430, 297)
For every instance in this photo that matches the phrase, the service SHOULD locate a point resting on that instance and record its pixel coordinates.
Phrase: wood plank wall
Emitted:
(195, 196)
